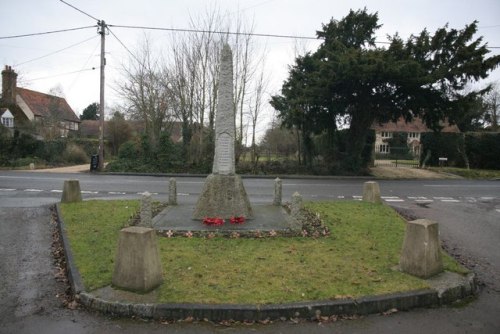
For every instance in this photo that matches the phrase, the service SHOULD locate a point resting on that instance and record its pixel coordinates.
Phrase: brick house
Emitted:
(47, 112)
(414, 129)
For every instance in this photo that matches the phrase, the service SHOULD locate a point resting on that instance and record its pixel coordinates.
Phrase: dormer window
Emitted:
(386, 134)
(7, 119)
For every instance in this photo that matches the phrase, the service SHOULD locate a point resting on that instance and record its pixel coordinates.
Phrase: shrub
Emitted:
(483, 150)
(75, 154)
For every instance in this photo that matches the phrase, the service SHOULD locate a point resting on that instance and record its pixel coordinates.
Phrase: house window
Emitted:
(8, 122)
(386, 134)
(413, 135)
(383, 148)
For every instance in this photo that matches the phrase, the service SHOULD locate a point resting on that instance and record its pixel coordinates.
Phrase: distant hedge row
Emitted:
(22, 149)
(479, 149)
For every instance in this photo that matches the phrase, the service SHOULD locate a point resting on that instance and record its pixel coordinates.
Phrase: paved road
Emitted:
(21, 187)
(468, 212)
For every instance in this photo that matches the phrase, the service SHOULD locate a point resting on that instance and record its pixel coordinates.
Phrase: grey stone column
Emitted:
(172, 192)
(277, 192)
(146, 210)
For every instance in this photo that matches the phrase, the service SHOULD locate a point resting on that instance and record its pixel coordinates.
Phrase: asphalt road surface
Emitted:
(468, 213)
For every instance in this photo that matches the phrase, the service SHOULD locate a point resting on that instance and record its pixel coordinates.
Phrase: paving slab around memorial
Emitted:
(266, 218)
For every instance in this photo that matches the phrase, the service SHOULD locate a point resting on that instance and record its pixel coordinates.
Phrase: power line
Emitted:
(47, 32)
(54, 52)
(237, 33)
(212, 32)
(81, 11)
(62, 74)
(126, 48)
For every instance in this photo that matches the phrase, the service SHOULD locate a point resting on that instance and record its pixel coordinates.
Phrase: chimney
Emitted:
(9, 84)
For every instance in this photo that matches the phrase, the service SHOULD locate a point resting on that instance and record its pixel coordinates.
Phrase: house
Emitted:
(51, 114)
(384, 132)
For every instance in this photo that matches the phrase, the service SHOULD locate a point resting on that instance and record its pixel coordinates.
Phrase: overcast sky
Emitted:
(283, 17)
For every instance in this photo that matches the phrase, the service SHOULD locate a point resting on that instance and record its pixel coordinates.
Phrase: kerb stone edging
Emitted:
(402, 301)
(74, 277)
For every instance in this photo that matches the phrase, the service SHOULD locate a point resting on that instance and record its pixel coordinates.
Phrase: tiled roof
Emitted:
(41, 104)
(416, 125)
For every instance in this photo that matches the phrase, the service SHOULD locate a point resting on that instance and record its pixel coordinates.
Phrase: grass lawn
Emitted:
(355, 260)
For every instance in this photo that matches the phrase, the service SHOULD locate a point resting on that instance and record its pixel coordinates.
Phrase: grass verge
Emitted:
(469, 173)
(355, 260)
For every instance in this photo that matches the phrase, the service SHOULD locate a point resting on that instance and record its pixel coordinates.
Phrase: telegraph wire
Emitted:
(47, 32)
(54, 52)
(83, 67)
(211, 31)
(126, 48)
(81, 11)
(62, 74)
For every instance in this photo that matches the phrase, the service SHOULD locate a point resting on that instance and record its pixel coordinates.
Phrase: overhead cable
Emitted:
(54, 52)
(47, 32)
(81, 11)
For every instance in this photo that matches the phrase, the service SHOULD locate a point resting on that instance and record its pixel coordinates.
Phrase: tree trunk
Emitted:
(361, 121)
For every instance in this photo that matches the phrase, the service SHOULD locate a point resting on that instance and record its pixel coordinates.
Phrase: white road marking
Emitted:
(443, 198)
(56, 191)
(356, 197)
(424, 200)
(116, 193)
(418, 198)
(486, 198)
(394, 200)
(182, 194)
(33, 190)
(7, 189)
(450, 200)
(498, 210)
(389, 197)
(89, 192)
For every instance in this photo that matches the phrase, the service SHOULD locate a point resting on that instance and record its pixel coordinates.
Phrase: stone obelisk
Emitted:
(223, 193)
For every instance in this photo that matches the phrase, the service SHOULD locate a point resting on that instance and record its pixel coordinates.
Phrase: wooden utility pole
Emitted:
(102, 31)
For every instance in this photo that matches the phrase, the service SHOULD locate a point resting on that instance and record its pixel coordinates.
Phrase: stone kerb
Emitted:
(71, 192)
(371, 192)
(421, 253)
(137, 262)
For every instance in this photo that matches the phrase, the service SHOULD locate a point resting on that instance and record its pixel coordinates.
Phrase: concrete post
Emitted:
(137, 261)
(146, 210)
(71, 192)
(421, 254)
(371, 192)
(277, 192)
(296, 205)
(172, 191)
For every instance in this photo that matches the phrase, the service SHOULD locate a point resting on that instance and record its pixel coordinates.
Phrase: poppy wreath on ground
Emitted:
(213, 221)
(237, 220)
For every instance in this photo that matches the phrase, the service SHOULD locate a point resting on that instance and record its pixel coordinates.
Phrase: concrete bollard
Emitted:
(172, 192)
(277, 192)
(71, 192)
(421, 253)
(137, 261)
(146, 210)
(296, 205)
(371, 192)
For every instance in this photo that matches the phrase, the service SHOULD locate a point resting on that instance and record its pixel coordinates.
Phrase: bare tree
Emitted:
(492, 106)
(255, 109)
(146, 93)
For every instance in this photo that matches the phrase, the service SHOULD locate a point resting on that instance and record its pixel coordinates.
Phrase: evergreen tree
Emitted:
(350, 77)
